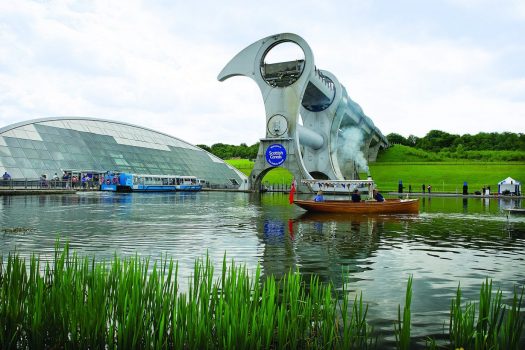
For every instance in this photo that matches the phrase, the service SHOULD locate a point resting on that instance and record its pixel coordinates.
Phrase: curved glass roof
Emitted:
(53, 145)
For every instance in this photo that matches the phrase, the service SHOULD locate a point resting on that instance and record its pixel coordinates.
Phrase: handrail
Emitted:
(51, 184)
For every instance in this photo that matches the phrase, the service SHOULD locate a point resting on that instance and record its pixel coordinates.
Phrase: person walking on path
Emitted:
(429, 188)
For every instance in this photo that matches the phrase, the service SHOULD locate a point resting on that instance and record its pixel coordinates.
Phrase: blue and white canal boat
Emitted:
(127, 182)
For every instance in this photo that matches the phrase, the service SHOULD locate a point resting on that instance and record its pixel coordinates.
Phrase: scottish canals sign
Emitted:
(276, 154)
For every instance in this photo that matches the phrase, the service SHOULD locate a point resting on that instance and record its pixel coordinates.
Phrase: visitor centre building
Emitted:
(83, 146)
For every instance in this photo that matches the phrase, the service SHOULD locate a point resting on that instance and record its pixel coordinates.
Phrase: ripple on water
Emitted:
(372, 255)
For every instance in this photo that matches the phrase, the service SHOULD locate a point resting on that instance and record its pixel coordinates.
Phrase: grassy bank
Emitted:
(76, 302)
(445, 176)
(417, 167)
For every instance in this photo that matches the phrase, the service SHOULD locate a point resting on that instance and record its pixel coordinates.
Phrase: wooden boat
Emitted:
(389, 206)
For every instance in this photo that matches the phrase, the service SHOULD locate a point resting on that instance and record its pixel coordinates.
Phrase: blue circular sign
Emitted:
(276, 154)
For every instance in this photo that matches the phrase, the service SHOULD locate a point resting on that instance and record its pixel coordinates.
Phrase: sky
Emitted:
(413, 66)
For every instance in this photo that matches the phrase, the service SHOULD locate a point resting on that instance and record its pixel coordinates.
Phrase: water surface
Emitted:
(452, 241)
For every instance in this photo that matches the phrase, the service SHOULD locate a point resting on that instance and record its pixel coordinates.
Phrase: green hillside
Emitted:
(416, 167)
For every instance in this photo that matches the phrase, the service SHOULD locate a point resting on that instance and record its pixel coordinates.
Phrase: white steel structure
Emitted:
(313, 128)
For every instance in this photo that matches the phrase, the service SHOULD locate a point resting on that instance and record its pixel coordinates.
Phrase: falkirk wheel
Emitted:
(313, 128)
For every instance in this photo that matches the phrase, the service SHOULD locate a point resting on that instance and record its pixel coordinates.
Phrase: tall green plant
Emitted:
(75, 302)
(491, 327)
(402, 329)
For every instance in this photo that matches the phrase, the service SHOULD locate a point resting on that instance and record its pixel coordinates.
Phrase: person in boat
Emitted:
(356, 197)
(319, 197)
(378, 196)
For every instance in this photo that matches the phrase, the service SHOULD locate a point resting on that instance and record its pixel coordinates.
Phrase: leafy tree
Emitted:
(436, 140)
(412, 140)
(394, 138)
(204, 147)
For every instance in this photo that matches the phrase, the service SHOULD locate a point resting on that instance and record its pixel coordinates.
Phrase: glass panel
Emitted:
(4, 151)
(17, 152)
(29, 173)
(11, 142)
(23, 163)
(26, 143)
(8, 161)
(57, 155)
(15, 173)
(50, 146)
(50, 164)
(31, 153)
(43, 154)
(38, 145)
(37, 164)
(121, 162)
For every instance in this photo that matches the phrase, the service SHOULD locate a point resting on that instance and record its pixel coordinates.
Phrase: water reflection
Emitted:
(452, 240)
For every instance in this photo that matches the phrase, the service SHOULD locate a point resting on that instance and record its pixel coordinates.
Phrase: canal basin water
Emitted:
(452, 241)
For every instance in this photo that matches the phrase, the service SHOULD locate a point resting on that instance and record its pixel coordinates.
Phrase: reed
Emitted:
(75, 302)
(492, 326)
(402, 329)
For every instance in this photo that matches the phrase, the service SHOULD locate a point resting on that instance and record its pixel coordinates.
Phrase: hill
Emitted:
(416, 167)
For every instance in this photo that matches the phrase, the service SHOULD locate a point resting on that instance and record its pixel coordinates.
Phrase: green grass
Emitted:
(416, 167)
(401, 153)
(445, 176)
(244, 165)
(278, 176)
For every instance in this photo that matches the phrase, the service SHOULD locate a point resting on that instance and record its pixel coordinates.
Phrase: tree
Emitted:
(412, 140)
(394, 138)
(204, 147)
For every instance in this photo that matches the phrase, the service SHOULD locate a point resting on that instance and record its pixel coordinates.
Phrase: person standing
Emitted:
(429, 188)
(423, 188)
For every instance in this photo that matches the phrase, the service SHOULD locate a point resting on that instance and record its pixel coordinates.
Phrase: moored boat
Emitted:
(127, 182)
(388, 206)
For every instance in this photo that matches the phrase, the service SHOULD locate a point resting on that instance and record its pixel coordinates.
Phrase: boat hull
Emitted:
(389, 206)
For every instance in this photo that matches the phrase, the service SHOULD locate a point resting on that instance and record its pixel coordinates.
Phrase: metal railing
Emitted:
(45, 184)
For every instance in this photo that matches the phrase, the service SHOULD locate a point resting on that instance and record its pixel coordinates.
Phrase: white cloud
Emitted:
(155, 64)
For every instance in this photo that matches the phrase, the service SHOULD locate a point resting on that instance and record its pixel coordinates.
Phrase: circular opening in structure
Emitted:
(282, 64)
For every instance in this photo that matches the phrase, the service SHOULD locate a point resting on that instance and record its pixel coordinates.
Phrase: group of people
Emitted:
(67, 180)
(356, 196)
